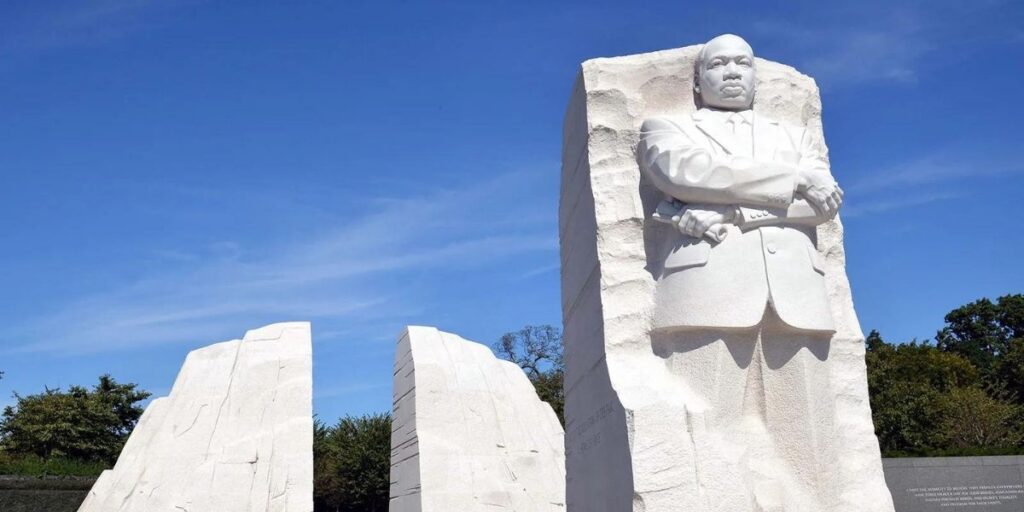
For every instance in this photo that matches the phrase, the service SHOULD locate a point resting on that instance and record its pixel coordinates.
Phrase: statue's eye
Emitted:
(744, 62)
(717, 63)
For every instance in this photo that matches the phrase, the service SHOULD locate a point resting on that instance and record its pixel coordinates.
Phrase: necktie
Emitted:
(744, 134)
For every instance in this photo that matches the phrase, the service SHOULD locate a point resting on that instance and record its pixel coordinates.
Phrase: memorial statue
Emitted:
(746, 193)
(714, 362)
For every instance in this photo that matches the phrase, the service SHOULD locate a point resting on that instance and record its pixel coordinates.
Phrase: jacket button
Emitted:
(771, 248)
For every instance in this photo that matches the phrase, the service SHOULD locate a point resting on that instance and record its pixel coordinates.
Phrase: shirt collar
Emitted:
(724, 115)
(746, 115)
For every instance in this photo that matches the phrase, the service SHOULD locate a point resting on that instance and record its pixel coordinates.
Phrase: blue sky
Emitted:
(176, 172)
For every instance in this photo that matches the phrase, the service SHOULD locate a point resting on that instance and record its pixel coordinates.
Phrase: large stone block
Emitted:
(235, 433)
(688, 421)
(469, 432)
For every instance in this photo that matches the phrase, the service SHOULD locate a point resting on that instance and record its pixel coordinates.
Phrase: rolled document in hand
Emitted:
(717, 232)
(668, 212)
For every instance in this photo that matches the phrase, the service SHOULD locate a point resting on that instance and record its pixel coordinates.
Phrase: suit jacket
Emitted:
(769, 256)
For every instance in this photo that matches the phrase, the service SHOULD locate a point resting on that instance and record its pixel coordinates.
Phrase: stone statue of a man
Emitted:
(714, 361)
(746, 194)
(741, 311)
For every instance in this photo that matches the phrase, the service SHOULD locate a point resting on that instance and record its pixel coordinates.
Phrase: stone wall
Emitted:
(39, 494)
(941, 484)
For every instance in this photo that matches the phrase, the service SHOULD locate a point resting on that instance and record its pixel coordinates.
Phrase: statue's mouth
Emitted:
(733, 89)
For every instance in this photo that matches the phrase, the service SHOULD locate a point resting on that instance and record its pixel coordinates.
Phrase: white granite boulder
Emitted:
(234, 435)
(469, 432)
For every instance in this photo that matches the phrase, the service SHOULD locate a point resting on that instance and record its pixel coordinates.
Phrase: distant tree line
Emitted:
(80, 430)
(959, 394)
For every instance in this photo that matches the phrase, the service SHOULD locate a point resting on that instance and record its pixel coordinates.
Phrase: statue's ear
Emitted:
(696, 90)
(696, 72)
(697, 101)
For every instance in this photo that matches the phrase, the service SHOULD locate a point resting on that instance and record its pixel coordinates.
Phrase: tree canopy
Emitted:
(80, 423)
(351, 464)
(960, 395)
(537, 349)
(984, 332)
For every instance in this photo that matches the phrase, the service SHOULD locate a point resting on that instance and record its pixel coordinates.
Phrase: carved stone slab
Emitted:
(235, 433)
(938, 484)
(469, 432)
(657, 426)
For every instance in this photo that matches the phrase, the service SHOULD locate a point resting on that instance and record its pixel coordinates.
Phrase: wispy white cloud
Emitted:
(174, 255)
(540, 270)
(939, 176)
(937, 168)
(872, 206)
(356, 271)
(349, 389)
(854, 54)
(322, 335)
(881, 43)
(63, 24)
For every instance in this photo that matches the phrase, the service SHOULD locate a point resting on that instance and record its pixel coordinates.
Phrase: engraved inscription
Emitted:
(969, 496)
(584, 442)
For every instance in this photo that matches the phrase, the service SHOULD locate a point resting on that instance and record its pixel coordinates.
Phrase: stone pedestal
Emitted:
(469, 432)
(758, 420)
(234, 435)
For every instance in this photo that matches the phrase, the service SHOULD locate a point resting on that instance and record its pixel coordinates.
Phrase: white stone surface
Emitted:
(469, 432)
(678, 405)
(235, 433)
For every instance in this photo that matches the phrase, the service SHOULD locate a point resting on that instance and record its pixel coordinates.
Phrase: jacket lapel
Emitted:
(715, 130)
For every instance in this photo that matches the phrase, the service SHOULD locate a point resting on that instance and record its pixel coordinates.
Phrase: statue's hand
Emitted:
(820, 190)
(705, 221)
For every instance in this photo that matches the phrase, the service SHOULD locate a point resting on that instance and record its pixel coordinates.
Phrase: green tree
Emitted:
(961, 395)
(82, 424)
(538, 351)
(974, 418)
(984, 331)
(352, 460)
(907, 383)
(1010, 369)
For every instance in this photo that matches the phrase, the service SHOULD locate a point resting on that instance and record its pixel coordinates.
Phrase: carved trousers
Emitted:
(760, 411)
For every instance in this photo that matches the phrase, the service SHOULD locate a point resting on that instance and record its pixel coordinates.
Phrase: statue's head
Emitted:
(724, 73)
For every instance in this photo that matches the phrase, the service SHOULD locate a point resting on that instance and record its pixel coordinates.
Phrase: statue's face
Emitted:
(727, 74)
